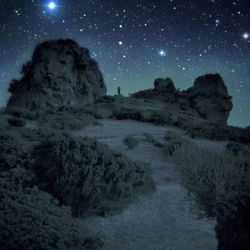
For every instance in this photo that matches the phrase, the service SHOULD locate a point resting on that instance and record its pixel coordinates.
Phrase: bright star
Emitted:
(52, 5)
(162, 52)
(245, 35)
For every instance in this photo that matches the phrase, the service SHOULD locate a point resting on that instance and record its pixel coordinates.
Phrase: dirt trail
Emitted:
(164, 220)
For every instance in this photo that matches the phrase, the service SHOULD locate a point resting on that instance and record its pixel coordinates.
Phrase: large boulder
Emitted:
(165, 85)
(164, 90)
(209, 97)
(61, 73)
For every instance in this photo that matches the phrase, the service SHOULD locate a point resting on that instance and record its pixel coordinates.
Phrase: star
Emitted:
(52, 5)
(245, 35)
(162, 53)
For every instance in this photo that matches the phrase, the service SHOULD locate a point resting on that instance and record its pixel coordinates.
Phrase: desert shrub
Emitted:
(16, 122)
(174, 141)
(130, 142)
(128, 114)
(13, 151)
(236, 148)
(16, 145)
(64, 119)
(215, 180)
(150, 138)
(171, 136)
(87, 176)
(32, 219)
(233, 230)
(220, 185)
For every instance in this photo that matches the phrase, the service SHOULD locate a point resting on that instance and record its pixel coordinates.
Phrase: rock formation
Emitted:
(60, 74)
(164, 90)
(208, 97)
(166, 85)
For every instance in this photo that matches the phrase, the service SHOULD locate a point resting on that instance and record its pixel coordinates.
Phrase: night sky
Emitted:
(136, 41)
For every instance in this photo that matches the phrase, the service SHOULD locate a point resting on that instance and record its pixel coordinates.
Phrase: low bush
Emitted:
(87, 176)
(32, 219)
(215, 180)
(171, 136)
(220, 185)
(130, 142)
(174, 141)
(150, 138)
(16, 122)
(65, 119)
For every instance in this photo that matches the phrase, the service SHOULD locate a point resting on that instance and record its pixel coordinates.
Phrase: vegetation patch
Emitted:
(32, 219)
(220, 185)
(65, 119)
(42, 170)
(174, 141)
(130, 142)
(87, 176)
(151, 139)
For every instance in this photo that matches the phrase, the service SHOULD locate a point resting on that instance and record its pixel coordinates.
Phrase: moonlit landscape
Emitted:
(124, 125)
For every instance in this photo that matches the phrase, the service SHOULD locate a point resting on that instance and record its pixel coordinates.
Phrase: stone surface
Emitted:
(166, 85)
(208, 97)
(61, 73)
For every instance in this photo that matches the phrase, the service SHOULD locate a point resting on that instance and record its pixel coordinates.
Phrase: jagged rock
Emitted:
(164, 90)
(166, 85)
(61, 73)
(209, 96)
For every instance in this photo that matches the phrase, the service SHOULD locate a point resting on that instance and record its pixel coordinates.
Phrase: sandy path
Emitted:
(164, 220)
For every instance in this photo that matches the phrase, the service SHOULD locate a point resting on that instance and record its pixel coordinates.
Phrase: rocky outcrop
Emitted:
(208, 97)
(61, 73)
(164, 90)
(166, 85)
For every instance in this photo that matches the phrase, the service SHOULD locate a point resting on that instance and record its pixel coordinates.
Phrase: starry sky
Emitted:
(136, 41)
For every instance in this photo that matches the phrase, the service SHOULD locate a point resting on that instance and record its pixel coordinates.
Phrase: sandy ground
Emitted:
(164, 220)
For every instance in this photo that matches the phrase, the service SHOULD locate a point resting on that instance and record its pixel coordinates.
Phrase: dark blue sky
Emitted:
(136, 41)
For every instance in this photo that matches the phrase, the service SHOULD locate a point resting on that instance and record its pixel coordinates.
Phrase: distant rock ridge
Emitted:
(208, 97)
(61, 73)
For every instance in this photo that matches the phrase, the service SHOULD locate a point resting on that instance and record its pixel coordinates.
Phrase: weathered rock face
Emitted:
(164, 90)
(166, 85)
(209, 96)
(60, 74)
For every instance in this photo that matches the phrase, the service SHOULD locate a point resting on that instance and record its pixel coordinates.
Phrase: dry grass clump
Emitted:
(216, 181)
(220, 185)
(174, 141)
(65, 119)
(151, 139)
(130, 142)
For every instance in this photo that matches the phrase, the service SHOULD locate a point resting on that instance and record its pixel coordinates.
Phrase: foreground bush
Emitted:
(130, 141)
(174, 142)
(65, 118)
(32, 219)
(87, 176)
(220, 184)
